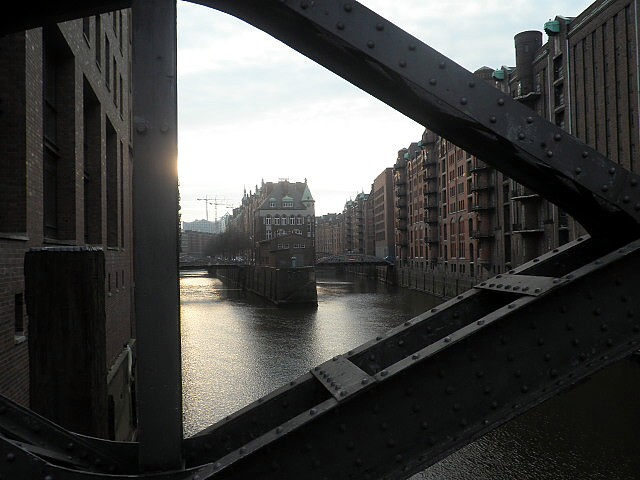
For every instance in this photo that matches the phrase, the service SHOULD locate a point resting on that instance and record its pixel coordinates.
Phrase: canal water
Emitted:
(237, 348)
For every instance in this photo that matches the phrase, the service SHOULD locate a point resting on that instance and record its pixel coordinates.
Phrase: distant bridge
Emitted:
(351, 258)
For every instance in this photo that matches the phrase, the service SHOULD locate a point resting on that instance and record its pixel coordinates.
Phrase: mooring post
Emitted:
(155, 209)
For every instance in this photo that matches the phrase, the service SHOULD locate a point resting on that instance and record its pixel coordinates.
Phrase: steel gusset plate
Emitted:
(413, 78)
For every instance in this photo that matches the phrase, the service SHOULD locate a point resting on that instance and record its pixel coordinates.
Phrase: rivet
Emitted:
(463, 422)
(576, 342)
(460, 297)
(492, 119)
(371, 44)
(501, 101)
(487, 390)
(524, 389)
(483, 284)
(525, 289)
(480, 373)
(585, 154)
(398, 456)
(529, 119)
(463, 101)
(547, 357)
(516, 288)
(304, 4)
(597, 312)
(407, 323)
(412, 47)
(557, 137)
(340, 26)
(637, 207)
(383, 373)
(449, 390)
(434, 310)
(347, 7)
(634, 182)
(384, 427)
(625, 199)
(604, 327)
(605, 188)
(400, 343)
(379, 27)
(313, 411)
(517, 373)
(536, 260)
(609, 341)
(447, 339)
(364, 381)
(432, 81)
(511, 305)
(378, 338)
(402, 63)
(537, 290)
(480, 322)
(441, 65)
(10, 457)
(549, 153)
(578, 170)
(242, 450)
(415, 356)
(521, 136)
(424, 425)
(612, 170)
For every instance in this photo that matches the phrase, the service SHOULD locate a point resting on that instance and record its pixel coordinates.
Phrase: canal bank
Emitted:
(237, 348)
(283, 287)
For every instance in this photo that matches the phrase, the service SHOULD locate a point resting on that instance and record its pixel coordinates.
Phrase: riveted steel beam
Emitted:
(441, 379)
(397, 68)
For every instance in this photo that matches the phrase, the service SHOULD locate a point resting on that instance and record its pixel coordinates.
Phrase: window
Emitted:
(299, 220)
(276, 220)
(287, 203)
(272, 203)
(267, 220)
(268, 234)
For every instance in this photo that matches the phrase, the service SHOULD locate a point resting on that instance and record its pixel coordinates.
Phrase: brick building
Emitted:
(65, 180)
(330, 234)
(584, 79)
(383, 228)
(276, 209)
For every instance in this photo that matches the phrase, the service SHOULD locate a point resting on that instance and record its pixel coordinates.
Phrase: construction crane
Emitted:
(216, 202)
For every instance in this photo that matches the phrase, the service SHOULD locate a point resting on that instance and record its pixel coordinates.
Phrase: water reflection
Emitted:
(237, 348)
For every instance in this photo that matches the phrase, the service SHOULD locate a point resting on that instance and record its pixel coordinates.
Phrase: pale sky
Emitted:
(251, 108)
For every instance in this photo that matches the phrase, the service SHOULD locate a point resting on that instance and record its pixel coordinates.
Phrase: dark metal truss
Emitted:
(406, 399)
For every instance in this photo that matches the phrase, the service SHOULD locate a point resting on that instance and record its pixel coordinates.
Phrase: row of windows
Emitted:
(285, 204)
(286, 246)
(284, 220)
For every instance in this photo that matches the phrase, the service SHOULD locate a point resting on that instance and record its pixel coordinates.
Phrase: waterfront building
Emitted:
(330, 234)
(358, 222)
(65, 181)
(383, 228)
(276, 209)
(584, 79)
(194, 243)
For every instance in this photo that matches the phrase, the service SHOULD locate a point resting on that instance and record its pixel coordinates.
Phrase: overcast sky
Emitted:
(251, 108)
